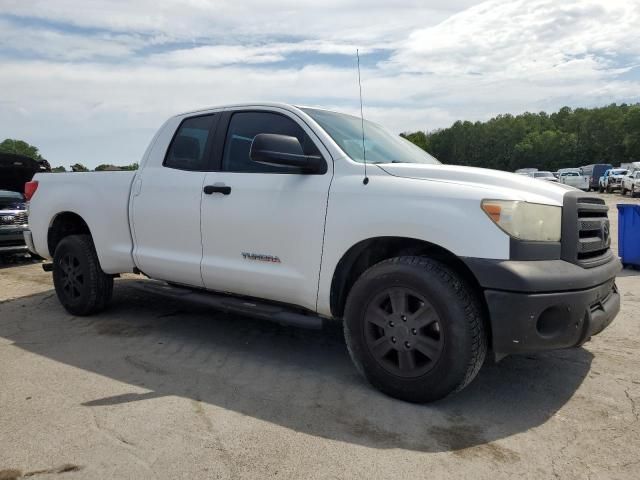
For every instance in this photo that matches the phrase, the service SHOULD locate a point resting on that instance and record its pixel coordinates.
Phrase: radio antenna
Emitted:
(364, 150)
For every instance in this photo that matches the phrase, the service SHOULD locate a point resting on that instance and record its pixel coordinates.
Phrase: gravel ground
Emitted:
(153, 388)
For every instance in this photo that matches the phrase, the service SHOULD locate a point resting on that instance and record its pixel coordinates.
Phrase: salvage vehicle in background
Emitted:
(270, 210)
(544, 175)
(574, 179)
(593, 174)
(631, 183)
(13, 222)
(15, 171)
(612, 179)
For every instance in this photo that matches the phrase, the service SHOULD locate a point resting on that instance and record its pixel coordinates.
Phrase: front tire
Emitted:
(81, 285)
(415, 329)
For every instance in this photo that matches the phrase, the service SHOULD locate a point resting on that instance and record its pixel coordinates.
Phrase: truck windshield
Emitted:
(381, 145)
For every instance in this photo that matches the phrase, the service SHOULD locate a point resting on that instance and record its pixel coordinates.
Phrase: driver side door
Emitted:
(263, 225)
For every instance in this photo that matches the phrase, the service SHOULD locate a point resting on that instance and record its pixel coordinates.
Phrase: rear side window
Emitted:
(189, 148)
(244, 126)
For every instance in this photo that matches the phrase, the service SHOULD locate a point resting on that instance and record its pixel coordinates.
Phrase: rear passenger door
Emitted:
(263, 226)
(166, 204)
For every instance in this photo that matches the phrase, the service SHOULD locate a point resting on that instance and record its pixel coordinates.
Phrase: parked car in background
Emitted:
(544, 175)
(631, 183)
(612, 179)
(266, 210)
(574, 179)
(594, 172)
(15, 171)
(13, 222)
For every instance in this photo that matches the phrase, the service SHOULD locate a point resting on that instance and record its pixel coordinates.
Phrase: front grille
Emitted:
(13, 218)
(585, 230)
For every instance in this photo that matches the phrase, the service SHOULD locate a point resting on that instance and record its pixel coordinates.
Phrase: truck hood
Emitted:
(496, 183)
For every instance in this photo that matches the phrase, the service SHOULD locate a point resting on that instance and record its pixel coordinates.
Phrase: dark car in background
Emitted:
(594, 172)
(15, 171)
(13, 222)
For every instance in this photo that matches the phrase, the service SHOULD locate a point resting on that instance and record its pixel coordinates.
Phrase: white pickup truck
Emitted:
(270, 210)
(574, 179)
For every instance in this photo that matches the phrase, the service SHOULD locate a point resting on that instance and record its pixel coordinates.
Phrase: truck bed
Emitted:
(101, 199)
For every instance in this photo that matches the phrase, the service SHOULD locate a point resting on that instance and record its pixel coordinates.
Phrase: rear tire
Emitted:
(415, 329)
(81, 285)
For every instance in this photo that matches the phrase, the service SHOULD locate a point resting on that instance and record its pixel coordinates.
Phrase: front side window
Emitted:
(244, 126)
(188, 150)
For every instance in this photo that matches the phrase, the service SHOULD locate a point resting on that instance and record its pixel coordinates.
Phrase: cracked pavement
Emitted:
(153, 388)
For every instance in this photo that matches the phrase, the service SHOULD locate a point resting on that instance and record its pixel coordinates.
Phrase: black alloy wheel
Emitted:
(71, 276)
(403, 333)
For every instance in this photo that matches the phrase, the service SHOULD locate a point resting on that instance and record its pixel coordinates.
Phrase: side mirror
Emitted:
(283, 151)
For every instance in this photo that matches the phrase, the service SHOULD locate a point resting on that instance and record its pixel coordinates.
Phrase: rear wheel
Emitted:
(81, 285)
(415, 329)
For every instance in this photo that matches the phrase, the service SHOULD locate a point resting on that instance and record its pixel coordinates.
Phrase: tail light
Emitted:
(30, 189)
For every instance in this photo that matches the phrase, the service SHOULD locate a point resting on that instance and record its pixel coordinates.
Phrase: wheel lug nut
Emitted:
(393, 339)
(391, 324)
(404, 319)
(414, 331)
(407, 344)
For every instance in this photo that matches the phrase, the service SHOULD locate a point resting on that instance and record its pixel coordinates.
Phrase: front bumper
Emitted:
(546, 305)
(12, 239)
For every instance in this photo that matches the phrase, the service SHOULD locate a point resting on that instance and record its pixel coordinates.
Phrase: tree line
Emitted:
(564, 139)
(20, 147)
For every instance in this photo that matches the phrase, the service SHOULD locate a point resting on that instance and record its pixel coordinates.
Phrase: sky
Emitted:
(90, 81)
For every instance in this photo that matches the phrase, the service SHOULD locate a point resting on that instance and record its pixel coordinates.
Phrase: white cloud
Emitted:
(534, 39)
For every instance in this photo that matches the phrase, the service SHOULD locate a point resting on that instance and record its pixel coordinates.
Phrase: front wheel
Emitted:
(81, 285)
(415, 329)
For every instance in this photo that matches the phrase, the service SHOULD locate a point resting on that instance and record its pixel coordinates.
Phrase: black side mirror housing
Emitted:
(283, 151)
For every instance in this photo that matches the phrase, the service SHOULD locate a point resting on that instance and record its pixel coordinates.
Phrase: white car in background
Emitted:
(612, 179)
(544, 175)
(631, 183)
(574, 179)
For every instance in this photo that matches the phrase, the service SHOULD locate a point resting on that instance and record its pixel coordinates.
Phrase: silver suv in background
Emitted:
(13, 222)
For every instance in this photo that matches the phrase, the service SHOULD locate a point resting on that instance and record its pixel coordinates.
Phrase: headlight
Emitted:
(525, 221)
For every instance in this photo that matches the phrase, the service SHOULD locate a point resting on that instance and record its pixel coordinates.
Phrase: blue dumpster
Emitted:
(629, 234)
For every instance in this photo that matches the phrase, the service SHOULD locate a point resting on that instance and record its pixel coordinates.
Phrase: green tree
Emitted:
(106, 167)
(59, 169)
(78, 167)
(631, 140)
(566, 138)
(20, 147)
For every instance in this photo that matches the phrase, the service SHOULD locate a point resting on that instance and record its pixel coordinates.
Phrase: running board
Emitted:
(239, 305)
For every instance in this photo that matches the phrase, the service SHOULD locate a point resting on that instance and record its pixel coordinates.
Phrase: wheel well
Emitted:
(63, 225)
(368, 252)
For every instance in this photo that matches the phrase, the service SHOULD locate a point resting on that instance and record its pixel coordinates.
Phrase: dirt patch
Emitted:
(15, 474)
(10, 474)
